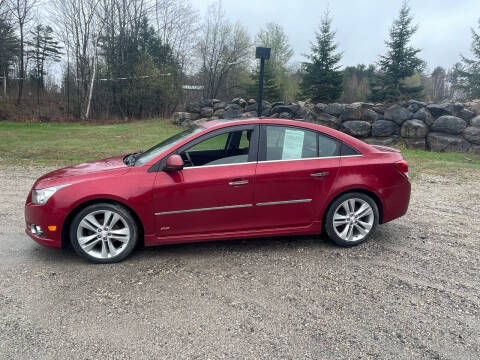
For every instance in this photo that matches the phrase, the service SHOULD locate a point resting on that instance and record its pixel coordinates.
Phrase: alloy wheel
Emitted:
(353, 219)
(103, 234)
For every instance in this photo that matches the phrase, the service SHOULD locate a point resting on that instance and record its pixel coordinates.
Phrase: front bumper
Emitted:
(45, 216)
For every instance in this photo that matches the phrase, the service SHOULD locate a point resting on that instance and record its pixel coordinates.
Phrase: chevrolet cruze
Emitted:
(221, 180)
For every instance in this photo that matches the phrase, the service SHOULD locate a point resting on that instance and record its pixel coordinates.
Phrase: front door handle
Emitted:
(238, 182)
(320, 174)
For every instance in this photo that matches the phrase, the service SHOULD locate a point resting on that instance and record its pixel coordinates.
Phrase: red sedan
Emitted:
(222, 180)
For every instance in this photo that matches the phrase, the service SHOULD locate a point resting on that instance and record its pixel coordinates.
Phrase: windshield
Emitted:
(148, 155)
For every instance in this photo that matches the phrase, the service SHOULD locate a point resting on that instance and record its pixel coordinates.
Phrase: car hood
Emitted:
(54, 178)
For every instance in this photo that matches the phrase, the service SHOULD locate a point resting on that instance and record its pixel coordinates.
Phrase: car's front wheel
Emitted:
(104, 233)
(351, 219)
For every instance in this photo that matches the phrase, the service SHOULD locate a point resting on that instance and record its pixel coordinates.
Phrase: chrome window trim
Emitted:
(313, 158)
(283, 202)
(271, 161)
(203, 209)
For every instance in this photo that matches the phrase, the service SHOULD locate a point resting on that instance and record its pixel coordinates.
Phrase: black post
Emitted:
(262, 54)
(260, 88)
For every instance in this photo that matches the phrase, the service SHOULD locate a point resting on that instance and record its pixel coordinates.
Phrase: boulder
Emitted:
(449, 124)
(465, 114)
(397, 113)
(328, 121)
(384, 141)
(292, 109)
(277, 103)
(248, 115)
(441, 109)
(206, 112)
(251, 107)
(475, 121)
(193, 108)
(334, 109)
(472, 134)
(419, 144)
(252, 101)
(219, 105)
(447, 142)
(320, 107)
(424, 115)
(219, 113)
(182, 118)
(308, 115)
(239, 101)
(357, 128)
(232, 111)
(414, 129)
(379, 108)
(475, 149)
(285, 115)
(382, 128)
(370, 115)
(414, 105)
(351, 113)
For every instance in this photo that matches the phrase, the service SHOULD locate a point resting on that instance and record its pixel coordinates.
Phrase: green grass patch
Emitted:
(440, 163)
(68, 143)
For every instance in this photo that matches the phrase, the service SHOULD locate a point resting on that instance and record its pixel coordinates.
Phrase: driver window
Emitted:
(223, 149)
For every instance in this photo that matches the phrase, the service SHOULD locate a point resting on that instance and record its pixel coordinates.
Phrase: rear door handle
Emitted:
(320, 174)
(238, 182)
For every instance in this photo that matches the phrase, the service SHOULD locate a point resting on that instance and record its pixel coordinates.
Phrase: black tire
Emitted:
(329, 223)
(127, 220)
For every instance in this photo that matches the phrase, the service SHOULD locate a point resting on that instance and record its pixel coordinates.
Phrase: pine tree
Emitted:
(322, 81)
(43, 48)
(467, 73)
(399, 63)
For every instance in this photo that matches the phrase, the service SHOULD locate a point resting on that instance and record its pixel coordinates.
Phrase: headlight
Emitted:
(41, 196)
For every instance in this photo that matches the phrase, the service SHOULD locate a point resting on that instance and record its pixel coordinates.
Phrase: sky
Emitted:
(362, 26)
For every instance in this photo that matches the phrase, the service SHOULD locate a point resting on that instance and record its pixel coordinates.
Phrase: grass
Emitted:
(68, 143)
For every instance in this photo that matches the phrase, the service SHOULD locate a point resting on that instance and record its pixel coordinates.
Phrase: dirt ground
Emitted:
(412, 291)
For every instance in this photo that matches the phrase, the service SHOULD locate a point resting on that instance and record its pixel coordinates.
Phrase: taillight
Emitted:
(402, 166)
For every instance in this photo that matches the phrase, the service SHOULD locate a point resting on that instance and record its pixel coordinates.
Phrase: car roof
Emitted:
(350, 140)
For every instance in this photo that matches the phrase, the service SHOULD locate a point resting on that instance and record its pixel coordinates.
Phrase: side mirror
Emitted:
(174, 163)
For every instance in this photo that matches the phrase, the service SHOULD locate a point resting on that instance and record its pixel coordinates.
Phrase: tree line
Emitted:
(143, 58)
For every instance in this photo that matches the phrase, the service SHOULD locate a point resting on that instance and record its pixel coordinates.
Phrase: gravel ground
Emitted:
(412, 291)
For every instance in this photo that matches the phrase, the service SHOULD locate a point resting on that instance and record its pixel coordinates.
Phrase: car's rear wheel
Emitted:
(351, 219)
(104, 233)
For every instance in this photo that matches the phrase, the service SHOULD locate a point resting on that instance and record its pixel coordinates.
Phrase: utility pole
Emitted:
(263, 54)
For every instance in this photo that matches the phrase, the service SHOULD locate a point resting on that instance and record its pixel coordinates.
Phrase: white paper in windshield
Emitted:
(293, 144)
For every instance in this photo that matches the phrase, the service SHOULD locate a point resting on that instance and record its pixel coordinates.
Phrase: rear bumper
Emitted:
(395, 201)
(45, 216)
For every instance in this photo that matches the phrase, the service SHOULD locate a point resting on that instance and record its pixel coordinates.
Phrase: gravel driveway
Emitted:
(412, 291)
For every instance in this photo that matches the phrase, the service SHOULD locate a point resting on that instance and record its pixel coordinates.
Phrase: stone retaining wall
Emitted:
(436, 127)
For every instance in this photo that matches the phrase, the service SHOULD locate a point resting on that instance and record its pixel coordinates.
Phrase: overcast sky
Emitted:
(363, 25)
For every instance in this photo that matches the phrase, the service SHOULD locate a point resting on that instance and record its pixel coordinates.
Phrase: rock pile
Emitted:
(439, 127)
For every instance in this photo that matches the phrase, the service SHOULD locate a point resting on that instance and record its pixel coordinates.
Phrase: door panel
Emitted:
(291, 193)
(209, 199)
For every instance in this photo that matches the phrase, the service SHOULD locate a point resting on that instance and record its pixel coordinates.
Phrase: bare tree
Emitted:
(79, 26)
(221, 49)
(22, 12)
(178, 26)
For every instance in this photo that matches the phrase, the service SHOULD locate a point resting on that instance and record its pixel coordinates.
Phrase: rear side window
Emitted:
(327, 146)
(347, 150)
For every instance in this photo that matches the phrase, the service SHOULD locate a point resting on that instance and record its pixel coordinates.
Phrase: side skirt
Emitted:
(315, 228)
